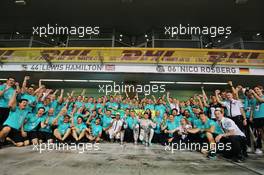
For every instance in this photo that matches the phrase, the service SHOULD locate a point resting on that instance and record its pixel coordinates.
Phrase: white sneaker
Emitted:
(258, 151)
(249, 150)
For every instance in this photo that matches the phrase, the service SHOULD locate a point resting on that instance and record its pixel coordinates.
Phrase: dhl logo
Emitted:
(134, 55)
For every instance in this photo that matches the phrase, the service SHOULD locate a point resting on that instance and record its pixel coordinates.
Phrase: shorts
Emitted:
(45, 136)
(258, 122)
(32, 135)
(15, 135)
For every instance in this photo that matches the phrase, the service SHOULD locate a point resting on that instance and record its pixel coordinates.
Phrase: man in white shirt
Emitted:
(235, 109)
(232, 134)
(116, 131)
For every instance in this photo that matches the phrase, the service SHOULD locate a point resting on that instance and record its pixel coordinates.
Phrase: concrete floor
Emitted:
(114, 159)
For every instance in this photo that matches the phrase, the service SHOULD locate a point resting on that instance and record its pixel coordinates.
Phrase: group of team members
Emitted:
(31, 115)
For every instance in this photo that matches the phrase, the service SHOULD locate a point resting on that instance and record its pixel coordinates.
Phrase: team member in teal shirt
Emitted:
(90, 105)
(6, 92)
(64, 128)
(47, 124)
(95, 131)
(131, 127)
(257, 116)
(106, 124)
(149, 105)
(158, 136)
(160, 107)
(12, 127)
(79, 129)
(100, 103)
(45, 104)
(208, 130)
(31, 126)
(171, 130)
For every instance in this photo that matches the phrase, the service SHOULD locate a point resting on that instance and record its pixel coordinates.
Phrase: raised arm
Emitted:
(60, 99)
(204, 94)
(234, 91)
(261, 100)
(12, 101)
(24, 85)
(154, 99)
(217, 92)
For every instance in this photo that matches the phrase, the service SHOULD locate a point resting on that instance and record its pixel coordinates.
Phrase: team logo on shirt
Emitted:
(227, 124)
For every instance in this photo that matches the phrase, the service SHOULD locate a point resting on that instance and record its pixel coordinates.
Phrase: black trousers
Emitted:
(159, 138)
(4, 113)
(238, 146)
(128, 135)
(247, 132)
(239, 122)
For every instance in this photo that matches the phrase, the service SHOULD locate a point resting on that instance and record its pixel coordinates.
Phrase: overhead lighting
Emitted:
(101, 81)
(188, 83)
(66, 80)
(162, 82)
(258, 34)
(147, 39)
(52, 39)
(17, 33)
(146, 35)
(213, 83)
(46, 36)
(219, 41)
(20, 2)
(201, 83)
(55, 80)
(121, 35)
(226, 37)
(76, 81)
(241, 1)
(120, 39)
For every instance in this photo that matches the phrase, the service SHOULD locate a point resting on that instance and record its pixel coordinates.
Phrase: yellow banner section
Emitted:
(133, 55)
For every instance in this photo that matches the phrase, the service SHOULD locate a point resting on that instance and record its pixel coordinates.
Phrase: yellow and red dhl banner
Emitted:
(133, 55)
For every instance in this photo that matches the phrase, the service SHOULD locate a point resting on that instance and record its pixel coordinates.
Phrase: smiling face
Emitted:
(10, 82)
(171, 118)
(186, 113)
(66, 119)
(203, 118)
(258, 90)
(183, 121)
(229, 96)
(30, 90)
(79, 120)
(23, 104)
(218, 114)
(51, 111)
(213, 99)
(41, 111)
(97, 121)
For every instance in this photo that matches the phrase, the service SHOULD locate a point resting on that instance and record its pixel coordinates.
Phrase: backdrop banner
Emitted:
(134, 55)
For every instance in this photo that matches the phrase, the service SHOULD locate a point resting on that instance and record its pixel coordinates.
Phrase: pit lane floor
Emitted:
(113, 159)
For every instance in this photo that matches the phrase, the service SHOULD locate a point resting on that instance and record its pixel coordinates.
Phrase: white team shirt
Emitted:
(235, 107)
(228, 124)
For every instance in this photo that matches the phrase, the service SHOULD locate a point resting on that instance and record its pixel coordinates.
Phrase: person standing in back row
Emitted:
(235, 109)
